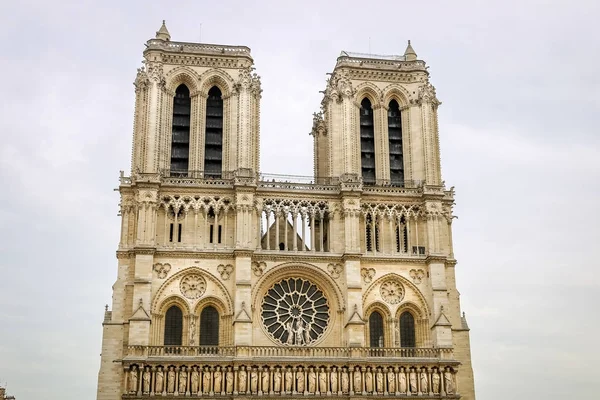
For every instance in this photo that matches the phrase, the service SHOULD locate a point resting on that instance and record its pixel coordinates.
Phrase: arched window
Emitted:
(407, 330)
(376, 330)
(209, 327)
(367, 142)
(395, 141)
(213, 144)
(180, 138)
(173, 326)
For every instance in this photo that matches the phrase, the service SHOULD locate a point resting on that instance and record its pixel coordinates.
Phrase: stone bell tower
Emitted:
(233, 282)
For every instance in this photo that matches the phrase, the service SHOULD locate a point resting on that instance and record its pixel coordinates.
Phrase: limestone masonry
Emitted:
(236, 283)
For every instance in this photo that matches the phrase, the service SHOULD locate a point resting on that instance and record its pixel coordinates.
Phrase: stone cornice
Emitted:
(386, 259)
(305, 256)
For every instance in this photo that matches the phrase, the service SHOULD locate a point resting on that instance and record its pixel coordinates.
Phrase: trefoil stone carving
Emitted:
(162, 270)
(258, 267)
(335, 270)
(367, 274)
(417, 275)
(225, 271)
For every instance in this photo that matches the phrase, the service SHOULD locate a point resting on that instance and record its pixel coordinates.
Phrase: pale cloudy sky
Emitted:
(520, 90)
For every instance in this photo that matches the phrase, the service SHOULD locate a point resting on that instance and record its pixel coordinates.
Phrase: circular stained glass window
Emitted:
(295, 312)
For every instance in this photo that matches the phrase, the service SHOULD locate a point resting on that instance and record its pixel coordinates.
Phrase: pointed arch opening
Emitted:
(367, 142)
(376, 333)
(209, 327)
(173, 326)
(395, 144)
(407, 330)
(180, 131)
(213, 141)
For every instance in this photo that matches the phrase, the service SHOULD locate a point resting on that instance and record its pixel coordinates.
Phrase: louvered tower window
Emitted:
(173, 326)
(180, 138)
(376, 329)
(407, 330)
(367, 142)
(395, 142)
(213, 148)
(209, 327)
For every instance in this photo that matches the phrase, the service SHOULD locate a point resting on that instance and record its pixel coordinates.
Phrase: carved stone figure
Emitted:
(334, 380)
(345, 381)
(357, 384)
(218, 381)
(133, 380)
(290, 330)
(369, 381)
(159, 378)
(300, 381)
(424, 382)
(299, 333)
(254, 381)
(170, 380)
(242, 381)
(195, 380)
(379, 381)
(412, 378)
(206, 381)
(182, 380)
(312, 381)
(146, 379)
(435, 383)
(402, 382)
(289, 380)
(265, 381)
(323, 381)
(229, 381)
(307, 338)
(277, 381)
(391, 381)
(449, 382)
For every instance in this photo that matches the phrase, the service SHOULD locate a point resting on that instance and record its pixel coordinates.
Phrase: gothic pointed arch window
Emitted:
(376, 335)
(209, 327)
(180, 132)
(407, 330)
(367, 142)
(395, 144)
(173, 326)
(213, 142)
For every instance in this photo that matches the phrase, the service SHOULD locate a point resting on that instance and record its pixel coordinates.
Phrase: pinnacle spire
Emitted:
(409, 53)
(163, 32)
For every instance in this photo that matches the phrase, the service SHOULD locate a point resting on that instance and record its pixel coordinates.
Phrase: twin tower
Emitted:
(235, 283)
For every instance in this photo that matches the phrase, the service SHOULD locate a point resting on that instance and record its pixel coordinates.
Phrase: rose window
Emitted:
(295, 312)
(192, 286)
(392, 291)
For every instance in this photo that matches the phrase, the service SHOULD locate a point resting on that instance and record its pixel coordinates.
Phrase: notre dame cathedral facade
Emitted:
(235, 283)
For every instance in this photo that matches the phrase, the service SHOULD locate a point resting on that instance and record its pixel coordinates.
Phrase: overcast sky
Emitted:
(519, 138)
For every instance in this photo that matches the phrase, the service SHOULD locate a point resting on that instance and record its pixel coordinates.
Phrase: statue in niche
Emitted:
(218, 380)
(182, 380)
(170, 380)
(307, 329)
(254, 381)
(424, 382)
(277, 381)
(289, 380)
(435, 382)
(323, 381)
(195, 380)
(206, 381)
(391, 378)
(357, 384)
(192, 332)
(448, 382)
(290, 332)
(412, 379)
(300, 381)
(369, 381)
(146, 379)
(265, 380)
(229, 381)
(334, 380)
(242, 380)
(312, 381)
(159, 378)
(345, 381)
(299, 333)
(379, 381)
(133, 379)
(402, 381)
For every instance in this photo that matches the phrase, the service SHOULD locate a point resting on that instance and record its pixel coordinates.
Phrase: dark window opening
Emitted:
(395, 144)
(376, 330)
(367, 142)
(212, 228)
(171, 232)
(281, 246)
(418, 250)
(209, 327)
(213, 141)
(219, 232)
(180, 140)
(173, 326)
(179, 233)
(407, 330)
(401, 236)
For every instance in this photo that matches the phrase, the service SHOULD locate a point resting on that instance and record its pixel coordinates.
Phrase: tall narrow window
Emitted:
(173, 326)
(376, 329)
(367, 142)
(407, 330)
(209, 327)
(180, 141)
(395, 138)
(213, 149)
